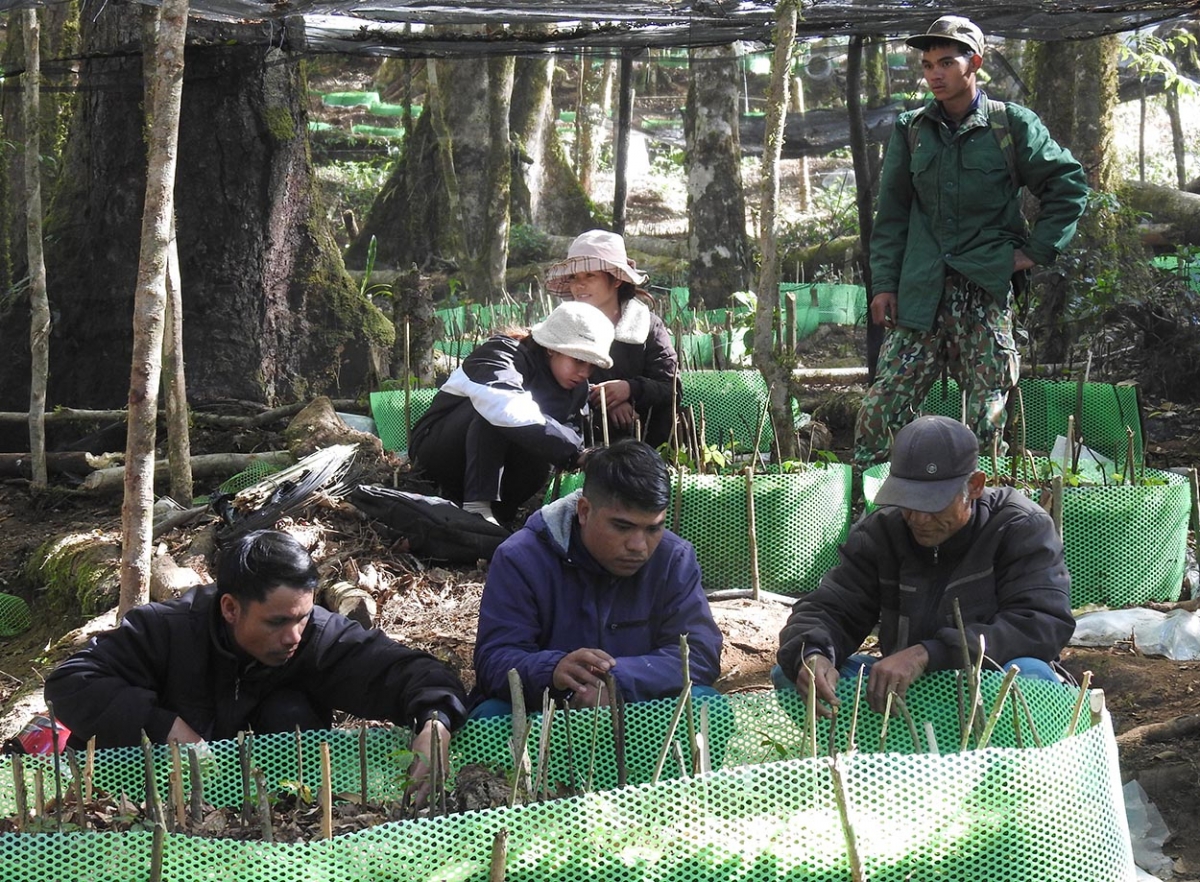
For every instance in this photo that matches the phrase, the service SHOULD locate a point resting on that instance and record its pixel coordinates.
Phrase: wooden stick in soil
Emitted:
(887, 717)
(810, 715)
(496, 868)
(694, 439)
(178, 806)
(752, 534)
(839, 796)
(1028, 715)
(675, 417)
(1001, 696)
(77, 786)
(89, 770)
(541, 780)
(264, 806)
(155, 810)
(196, 799)
(39, 793)
(703, 757)
(326, 792)
(244, 741)
(572, 772)
(19, 792)
(437, 775)
(762, 421)
(676, 716)
(1068, 465)
(604, 415)
(1083, 694)
(975, 700)
(617, 706)
(851, 743)
(519, 745)
(1056, 503)
(362, 764)
(685, 665)
(701, 432)
(57, 767)
(902, 710)
(407, 382)
(677, 507)
(1130, 465)
(299, 760)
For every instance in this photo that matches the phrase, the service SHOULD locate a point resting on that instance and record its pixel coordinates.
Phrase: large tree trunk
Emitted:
(1075, 92)
(720, 251)
(269, 312)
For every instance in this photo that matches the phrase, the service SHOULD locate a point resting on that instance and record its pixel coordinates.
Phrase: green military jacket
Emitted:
(952, 203)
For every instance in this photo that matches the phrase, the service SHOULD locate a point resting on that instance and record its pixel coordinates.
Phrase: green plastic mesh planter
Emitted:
(1006, 813)
(15, 617)
(800, 518)
(1122, 545)
(1107, 410)
(388, 411)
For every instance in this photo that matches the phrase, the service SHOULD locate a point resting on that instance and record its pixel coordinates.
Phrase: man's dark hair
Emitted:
(258, 562)
(630, 473)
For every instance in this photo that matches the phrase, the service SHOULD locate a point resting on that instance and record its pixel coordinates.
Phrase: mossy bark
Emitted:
(270, 314)
(717, 241)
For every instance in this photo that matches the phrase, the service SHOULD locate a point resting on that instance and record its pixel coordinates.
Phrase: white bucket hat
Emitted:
(591, 252)
(579, 330)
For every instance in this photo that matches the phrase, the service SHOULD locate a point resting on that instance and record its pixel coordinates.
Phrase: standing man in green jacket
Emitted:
(950, 238)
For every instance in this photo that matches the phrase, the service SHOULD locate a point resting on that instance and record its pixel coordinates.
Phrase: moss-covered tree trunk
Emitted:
(1075, 93)
(719, 249)
(269, 312)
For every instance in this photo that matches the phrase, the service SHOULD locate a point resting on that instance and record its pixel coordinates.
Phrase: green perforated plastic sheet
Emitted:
(14, 615)
(1107, 410)
(800, 519)
(388, 409)
(732, 402)
(770, 811)
(1122, 545)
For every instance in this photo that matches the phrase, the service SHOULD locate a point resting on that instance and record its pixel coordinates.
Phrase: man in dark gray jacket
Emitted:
(939, 536)
(250, 652)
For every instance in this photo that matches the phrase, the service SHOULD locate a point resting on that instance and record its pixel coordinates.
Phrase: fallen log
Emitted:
(1185, 726)
(74, 462)
(200, 418)
(112, 480)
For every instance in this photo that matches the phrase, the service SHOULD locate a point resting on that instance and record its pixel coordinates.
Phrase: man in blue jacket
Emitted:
(593, 585)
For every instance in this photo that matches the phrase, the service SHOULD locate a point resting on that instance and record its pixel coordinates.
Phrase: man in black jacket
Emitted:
(250, 652)
(940, 536)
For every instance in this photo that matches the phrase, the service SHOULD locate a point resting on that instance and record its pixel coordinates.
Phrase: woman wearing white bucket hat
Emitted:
(511, 410)
(640, 386)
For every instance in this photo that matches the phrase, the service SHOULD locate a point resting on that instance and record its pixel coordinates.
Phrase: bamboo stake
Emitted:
(89, 769)
(1028, 714)
(519, 745)
(703, 756)
(155, 810)
(685, 665)
(1083, 694)
(326, 792)
(1130, 466)
(437, 774)
(931, 737)
(887, 717)
(839, 796)
(177, 802)
(541, 778)
(572, 773)
(976, 675)
(496, 869)
(617, 706)
(264, 806)
(299, 760)
(604, 415)
(196, 802)
(19, 792)
(676, 716)
(77, 787)
(57, 767)
(752, 534)
(243, 749)
(902, 709)
(1005, 685)
(1068, 464)
(39, 794)
(362, 763)
(851, 744)
(810, 716)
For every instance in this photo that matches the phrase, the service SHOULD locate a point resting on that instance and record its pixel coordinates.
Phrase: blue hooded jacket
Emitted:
(546, 596)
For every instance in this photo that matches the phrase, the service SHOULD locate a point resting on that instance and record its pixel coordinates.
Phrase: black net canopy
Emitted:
(478, 27)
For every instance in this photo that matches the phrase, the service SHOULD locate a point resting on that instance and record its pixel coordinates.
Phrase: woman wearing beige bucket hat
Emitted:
(639, 388)
(511, 410)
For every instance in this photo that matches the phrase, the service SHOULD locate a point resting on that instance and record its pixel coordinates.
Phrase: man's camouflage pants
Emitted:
(972, 339)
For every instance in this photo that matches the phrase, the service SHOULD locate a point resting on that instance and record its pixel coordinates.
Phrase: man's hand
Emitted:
(824, 678)
(895, 674)
(883, 309)
(183, 733)
(1021, 261)
(419, 786)
(582, 672)
(622, 416)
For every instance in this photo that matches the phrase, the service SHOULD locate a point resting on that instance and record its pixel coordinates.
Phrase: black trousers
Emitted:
(472, 461)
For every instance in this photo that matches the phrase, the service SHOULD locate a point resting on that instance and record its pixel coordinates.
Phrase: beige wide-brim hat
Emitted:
(579, 330)
(592, 252)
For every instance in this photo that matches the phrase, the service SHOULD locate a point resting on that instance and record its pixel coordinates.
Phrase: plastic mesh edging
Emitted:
(770, 812)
